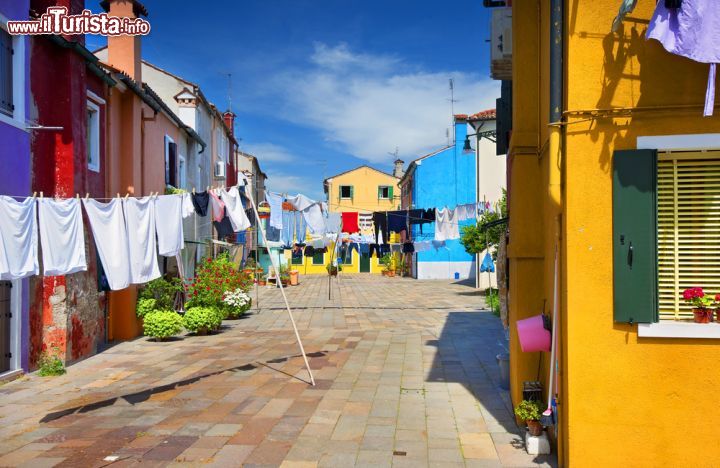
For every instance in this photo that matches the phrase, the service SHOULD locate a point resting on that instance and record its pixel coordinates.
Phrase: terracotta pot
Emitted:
(391, 273)
(262, 283)
(534, 427)
(294, 277)
(702, 315)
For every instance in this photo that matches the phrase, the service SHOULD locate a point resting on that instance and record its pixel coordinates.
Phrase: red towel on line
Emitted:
(350, 222)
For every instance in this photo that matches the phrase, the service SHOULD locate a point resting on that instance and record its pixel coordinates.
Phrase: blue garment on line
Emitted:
(300, 227)
(275, 201)
(487, 264)
(286, 236)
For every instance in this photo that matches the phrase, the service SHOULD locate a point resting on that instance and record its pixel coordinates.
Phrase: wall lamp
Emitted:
(490, 135)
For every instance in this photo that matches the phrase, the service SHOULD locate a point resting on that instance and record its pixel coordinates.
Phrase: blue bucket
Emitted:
(457, 275)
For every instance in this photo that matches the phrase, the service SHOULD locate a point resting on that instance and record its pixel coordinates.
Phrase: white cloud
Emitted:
(369, 104)
(268, 152)
(282, 182)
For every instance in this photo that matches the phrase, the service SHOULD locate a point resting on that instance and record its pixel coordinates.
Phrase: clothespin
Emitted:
(207, 189)
(34, 194)
(77, 196)
(193, 191)
(126, 196)
(118, 194)
(87, 196)
(41, 195)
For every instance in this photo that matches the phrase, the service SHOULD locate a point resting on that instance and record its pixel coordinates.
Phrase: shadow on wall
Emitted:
(467, 350)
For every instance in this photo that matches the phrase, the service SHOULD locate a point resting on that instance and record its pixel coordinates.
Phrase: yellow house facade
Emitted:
(361, 190)
(612, 163)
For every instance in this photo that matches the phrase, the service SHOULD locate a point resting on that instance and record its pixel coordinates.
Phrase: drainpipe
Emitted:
(555, 149)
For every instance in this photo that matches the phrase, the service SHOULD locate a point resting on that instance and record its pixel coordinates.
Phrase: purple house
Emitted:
(15, 161)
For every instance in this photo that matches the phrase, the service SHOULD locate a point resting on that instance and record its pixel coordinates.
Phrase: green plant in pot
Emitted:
(387, 262)
(201, 320)
(162, 324)
(333, 269)
(530, 412)
(237, 302)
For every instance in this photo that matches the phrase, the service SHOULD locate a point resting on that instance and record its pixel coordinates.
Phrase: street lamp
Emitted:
(490, 135)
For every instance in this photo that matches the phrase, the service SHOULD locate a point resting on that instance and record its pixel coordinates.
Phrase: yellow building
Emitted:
(362, 190)
(611, 160)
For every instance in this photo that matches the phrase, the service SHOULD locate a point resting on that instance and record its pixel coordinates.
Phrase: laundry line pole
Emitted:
(282, 290)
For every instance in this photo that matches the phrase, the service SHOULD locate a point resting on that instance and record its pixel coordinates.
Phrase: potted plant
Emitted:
(201, 320)
(237, 302)
(332, 269)
(262, 280)
(162, 324)
(701, 304)
(387, 262)
(530, 412)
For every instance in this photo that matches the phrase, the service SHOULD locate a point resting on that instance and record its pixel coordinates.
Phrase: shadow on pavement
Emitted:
(467, 348)
(144, 395)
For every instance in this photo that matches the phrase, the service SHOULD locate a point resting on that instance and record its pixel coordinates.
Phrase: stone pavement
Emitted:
(405, 372)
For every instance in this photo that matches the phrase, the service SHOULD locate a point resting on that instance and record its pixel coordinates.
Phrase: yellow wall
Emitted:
(365, 181)
(624, 401)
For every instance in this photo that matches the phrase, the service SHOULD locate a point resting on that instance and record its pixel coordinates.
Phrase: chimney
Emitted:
(398, 171)
(124, 52)
(229, 119)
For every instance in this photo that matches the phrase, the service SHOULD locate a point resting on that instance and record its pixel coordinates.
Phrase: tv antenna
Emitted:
(395, 153)
(229, 91)
(452, 108)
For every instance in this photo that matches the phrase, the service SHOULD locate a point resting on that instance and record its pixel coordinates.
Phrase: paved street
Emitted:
(405, 371)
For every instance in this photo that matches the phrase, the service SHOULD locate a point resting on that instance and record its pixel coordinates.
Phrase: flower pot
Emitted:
(391, 273)
(534, 427)
(702, 315)
(262, 283)
(294, 274)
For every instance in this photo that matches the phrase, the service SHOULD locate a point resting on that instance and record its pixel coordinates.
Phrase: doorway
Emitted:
(364, 263)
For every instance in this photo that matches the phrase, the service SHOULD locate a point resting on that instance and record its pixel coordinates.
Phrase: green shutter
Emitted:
(635, 236)
(379, 192)
(390, 191)
(352, 192)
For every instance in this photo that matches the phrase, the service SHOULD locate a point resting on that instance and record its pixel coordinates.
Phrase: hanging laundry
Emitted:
(61, 236)
(626, 6)
(437, 245)
(333, 223)
(187, 205)
(364, 249)
(465, 212)
(224, 227)
(168, 224)
(692, 31)
(217, 207)
(350, 222)
(18, 238)
(272, 233)
(396, 248)
(275, 200)
(300, 202)
(446, 226)
(309, 251)
(140, 224)
(487, 264)
(365, 222)
(380, 221)
(397, 220)
(423, 246)
(408, 247)
(297, 252)
(200, 202)
(111, 239)
(317, 243)
(300, 227)
(235, 209)
(287, 233)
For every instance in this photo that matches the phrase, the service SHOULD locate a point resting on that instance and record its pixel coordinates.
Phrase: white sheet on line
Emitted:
(62, 236)
(140, 224)
(446, 225)
(168, 224)
(18, 238)
(235, 210)
(111, 238)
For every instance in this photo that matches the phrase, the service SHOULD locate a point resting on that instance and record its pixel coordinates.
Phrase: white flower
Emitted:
(237, 298)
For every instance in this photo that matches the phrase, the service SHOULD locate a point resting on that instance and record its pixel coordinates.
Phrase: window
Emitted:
(688, 228)
(13, 84)
(171, 162)
(93, 136)
(347, 258)
(666, 232)
(297, 260)
(6, 73)
(318, 259)
(346, 192)
(385, 192)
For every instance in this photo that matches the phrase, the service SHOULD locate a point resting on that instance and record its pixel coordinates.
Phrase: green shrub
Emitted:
(145, 306)
(528, 410)
(201, 319)
(162, 324)
(50, 365)
(163, 291)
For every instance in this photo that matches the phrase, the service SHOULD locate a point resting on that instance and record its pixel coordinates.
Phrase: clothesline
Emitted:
(392, 213)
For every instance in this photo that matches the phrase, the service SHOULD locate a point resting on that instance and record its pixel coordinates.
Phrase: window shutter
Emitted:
(173, 163)
(379, 192)
(352, 192)
(390, 192)
(635, 236)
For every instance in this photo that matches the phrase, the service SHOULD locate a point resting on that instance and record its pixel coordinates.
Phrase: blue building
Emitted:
(446, 178)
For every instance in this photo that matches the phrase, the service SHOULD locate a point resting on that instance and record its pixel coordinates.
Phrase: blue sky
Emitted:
(322, 86)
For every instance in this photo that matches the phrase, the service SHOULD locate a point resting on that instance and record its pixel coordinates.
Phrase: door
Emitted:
(364, 263)
(5, 317)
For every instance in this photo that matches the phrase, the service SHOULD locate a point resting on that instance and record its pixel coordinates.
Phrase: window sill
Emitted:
(671, 329)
